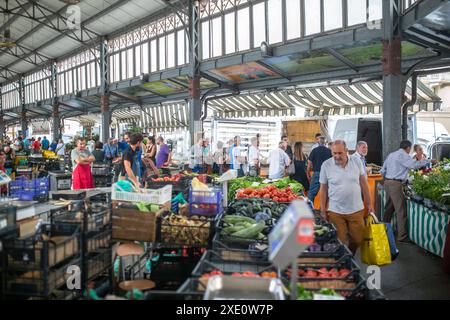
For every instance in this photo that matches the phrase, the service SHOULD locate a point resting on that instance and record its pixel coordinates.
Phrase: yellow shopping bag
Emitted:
(375, 248)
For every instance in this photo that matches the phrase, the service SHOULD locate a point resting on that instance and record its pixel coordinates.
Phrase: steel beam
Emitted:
(104, 88)
(393, 82)
(23, 118)
(2, 121)
(195, 105)
(342, 59)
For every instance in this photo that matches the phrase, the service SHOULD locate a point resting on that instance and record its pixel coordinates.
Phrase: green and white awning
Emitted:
(339, 99)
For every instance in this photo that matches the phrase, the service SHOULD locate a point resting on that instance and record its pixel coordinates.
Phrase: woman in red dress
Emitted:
(81, 166)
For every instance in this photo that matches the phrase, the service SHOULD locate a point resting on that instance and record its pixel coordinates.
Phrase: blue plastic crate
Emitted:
(25, 195)
(41, 183)
(29, 184)
(16, 184)
(205, 203)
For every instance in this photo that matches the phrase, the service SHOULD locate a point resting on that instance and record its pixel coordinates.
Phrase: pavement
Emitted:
(414, 275)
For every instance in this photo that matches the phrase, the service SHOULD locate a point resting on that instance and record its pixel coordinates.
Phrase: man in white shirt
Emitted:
(278, 161)
(342, 178)
(237, 160)
(197, 153)
(395, 172)
(253, 158)
(361, 153)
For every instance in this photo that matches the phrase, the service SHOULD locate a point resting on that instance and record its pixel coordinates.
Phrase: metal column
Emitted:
(56, 120)
(2, 123)
(104, 85)
(195, 105)
(393, 83)
(23, 111)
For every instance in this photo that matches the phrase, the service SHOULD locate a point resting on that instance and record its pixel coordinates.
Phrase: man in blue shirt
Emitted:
(317, 156)
(395, 172)
(111, 151)
(124, 144)
(45, 143)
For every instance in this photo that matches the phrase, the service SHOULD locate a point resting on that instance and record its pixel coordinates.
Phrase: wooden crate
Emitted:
(301, 130)
(134, 225)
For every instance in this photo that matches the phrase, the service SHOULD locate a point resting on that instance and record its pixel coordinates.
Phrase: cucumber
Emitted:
(235, 219)
(233, 229)
(251, 232)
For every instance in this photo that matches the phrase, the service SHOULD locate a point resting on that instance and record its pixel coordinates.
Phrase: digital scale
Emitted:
(59, 180)
(292, 234)
(224, 178)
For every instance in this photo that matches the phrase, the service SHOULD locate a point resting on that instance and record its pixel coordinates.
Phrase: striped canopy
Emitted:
(352, 99)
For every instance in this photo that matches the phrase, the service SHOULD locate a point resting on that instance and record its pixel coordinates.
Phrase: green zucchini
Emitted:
(233, 229)
(251, 232)
(235, 219)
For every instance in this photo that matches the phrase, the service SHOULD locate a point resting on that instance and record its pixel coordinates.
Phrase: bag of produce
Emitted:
(375, 249)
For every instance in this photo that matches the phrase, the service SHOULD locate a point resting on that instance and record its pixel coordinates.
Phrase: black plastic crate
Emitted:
(229, 267)
(96, 219)
(258, 248)
(328, 253)
(102, 181)
(58, 243)
(37, 283)
(7, 219)
(174, 233)
(236, 255)
(98, 263)
(182, 184)
(357, 290)
(349, 281)
(236, 243)
(99, 240)
(171, 270)
(193, 286)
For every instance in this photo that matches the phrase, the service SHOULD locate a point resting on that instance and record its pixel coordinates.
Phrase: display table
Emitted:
(428, 228)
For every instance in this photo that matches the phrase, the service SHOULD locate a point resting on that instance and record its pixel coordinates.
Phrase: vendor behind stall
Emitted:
(81, 164)
(9, 158)
(164, 155)
(3, 188)
(98, 153)
(129, 157)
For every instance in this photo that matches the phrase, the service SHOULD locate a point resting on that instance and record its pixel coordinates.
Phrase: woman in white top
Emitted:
(253, 158)
(60, 148)
(218, 159)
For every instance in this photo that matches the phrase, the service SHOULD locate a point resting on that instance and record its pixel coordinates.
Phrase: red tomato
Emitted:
(275, 199)
(311, 274)
(267, 196)
(216, 273)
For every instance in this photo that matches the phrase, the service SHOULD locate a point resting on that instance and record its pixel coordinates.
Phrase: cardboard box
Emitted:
(27, 227)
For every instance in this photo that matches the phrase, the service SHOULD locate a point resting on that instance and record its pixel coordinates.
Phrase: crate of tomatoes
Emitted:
(179, 181)
(269, 192)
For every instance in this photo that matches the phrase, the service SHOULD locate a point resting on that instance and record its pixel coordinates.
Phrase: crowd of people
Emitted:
(340, 178)
(133, 158)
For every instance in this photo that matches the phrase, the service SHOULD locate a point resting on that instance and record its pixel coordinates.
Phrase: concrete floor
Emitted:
(414, 275)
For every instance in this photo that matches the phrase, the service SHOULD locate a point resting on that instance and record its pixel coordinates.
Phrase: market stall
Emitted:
(428, 209)
(175, 238)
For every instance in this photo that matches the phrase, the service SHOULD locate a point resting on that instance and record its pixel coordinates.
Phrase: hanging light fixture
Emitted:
(6, 40)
